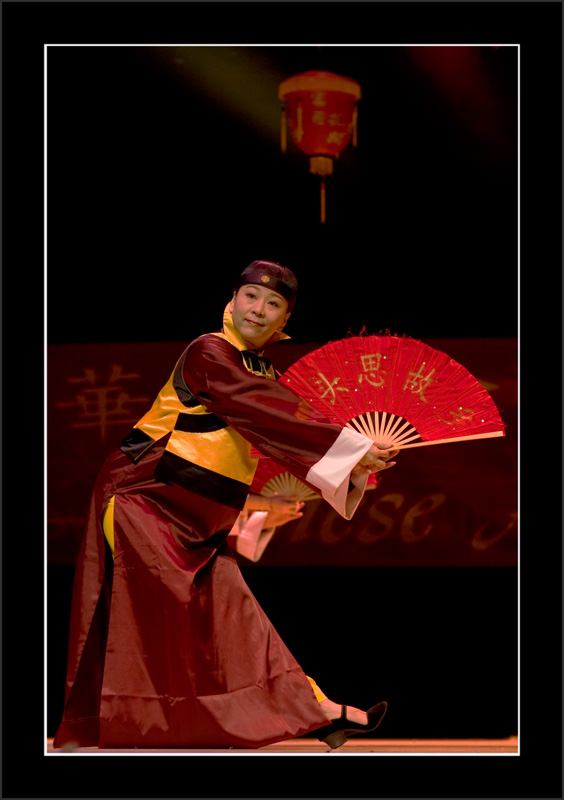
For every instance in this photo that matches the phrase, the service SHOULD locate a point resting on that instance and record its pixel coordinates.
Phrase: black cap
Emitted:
(273, 276)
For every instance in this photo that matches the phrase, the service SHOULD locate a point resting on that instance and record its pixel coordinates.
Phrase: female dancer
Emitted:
(168, 647)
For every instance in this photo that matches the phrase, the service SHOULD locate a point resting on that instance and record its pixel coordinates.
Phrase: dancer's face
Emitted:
(258, 313)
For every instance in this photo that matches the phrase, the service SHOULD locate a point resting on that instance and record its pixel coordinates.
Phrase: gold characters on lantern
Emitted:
(320, 108)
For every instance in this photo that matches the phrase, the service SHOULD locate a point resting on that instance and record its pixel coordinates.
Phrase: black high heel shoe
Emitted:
(337, 733)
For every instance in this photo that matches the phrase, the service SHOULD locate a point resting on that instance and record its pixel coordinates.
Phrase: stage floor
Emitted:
(314, 747)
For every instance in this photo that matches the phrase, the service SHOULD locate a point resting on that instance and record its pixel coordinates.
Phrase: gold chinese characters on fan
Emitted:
(398, 391)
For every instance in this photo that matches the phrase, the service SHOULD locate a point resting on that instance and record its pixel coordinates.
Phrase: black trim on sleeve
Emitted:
(200, 480)
(199, 423)
(182, 391)
(136, 444)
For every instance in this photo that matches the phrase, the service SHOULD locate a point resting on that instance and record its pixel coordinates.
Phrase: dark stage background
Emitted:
(165, 179)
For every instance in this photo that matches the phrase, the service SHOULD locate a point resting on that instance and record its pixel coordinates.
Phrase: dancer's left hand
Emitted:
(284, 509)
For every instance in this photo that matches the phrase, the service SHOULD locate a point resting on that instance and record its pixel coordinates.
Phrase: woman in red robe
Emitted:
(168, 647)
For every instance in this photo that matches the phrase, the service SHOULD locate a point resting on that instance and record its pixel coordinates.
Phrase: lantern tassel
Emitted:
(283, 133)
(323, 215)
(299, 132)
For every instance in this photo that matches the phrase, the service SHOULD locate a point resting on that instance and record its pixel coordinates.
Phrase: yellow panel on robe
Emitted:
(234, 452)
(316, 690)
(108, 523)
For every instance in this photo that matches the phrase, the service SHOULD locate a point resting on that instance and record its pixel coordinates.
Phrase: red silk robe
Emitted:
(168, 647)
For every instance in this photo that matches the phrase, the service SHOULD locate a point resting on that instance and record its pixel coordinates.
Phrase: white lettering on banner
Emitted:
(335, 532)
(387, 517)
(420, 509)
(103, 402)
(332, 529)
(371, 535)
(478, 542)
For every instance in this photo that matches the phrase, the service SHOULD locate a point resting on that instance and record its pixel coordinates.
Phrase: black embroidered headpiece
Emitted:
(273, 276)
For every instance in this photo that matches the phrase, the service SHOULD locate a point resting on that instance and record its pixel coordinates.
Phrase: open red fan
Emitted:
(398, 391)
(272, 479)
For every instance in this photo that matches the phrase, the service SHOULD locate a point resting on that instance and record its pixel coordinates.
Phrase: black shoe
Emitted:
(337, 733)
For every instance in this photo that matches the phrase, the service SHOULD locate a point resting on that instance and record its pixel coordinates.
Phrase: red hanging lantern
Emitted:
(321, 111)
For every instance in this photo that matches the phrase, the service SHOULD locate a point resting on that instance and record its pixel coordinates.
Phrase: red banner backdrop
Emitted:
(442, 505)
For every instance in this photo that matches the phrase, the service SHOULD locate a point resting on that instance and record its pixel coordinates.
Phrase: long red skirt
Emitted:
(168, 646)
